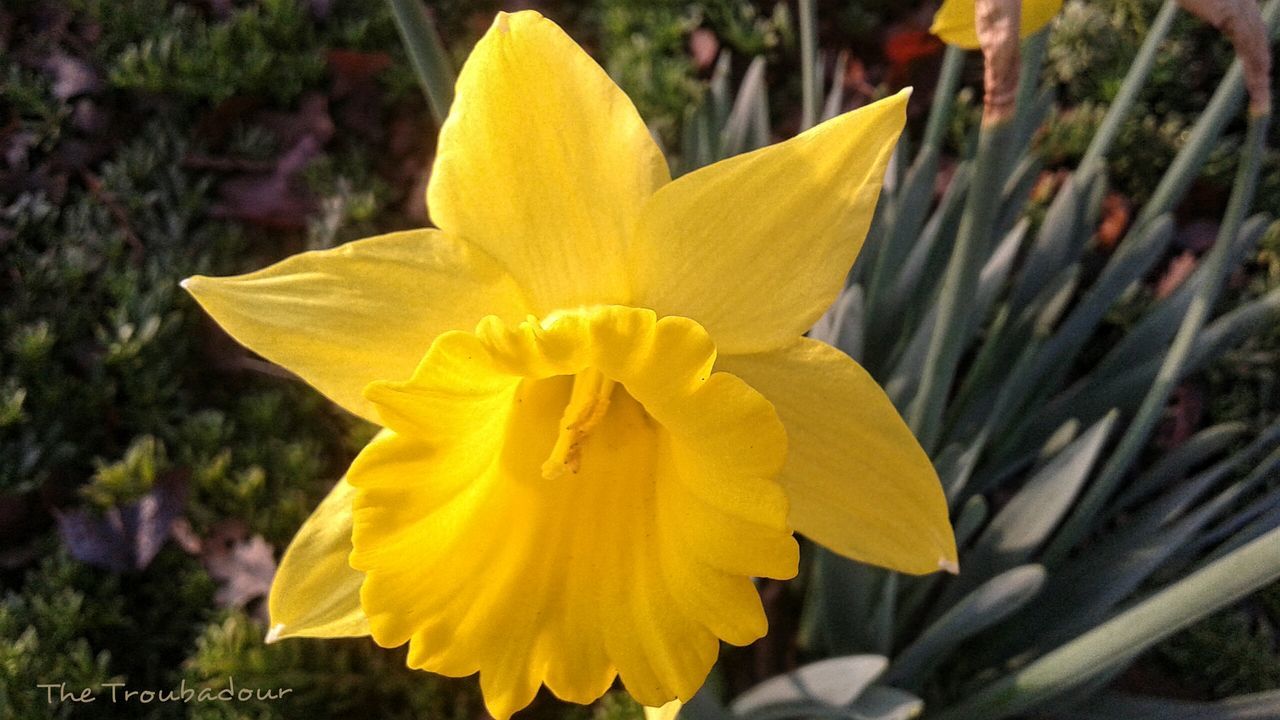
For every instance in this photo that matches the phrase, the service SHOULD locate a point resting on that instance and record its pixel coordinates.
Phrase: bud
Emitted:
(998, 23)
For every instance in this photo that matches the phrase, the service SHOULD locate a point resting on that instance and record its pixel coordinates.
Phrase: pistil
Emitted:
(588, 403)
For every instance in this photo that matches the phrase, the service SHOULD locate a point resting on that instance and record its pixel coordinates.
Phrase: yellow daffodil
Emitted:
(954, 21)
(600, 418)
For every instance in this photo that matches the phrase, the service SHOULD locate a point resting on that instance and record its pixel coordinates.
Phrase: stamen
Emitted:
(587, 406)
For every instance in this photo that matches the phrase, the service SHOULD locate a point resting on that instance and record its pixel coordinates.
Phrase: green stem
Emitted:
(907, 215)
(944, 96)
(1026, 105)
(427, 55)
(1033, 52)
(1082, 518)
(808, 65)
(956, 295)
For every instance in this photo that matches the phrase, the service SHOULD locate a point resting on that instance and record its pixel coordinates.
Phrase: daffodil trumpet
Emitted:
(600, 417)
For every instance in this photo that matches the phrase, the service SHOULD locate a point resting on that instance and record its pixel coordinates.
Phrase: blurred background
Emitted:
(152, 471)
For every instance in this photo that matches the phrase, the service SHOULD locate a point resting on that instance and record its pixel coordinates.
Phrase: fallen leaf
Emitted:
(704, 48)
(125, 537)
(1116, 213)
(351, 69)
(71, 76)
(1180, 268)
(243, 570)
(279, 198)
(904, 46)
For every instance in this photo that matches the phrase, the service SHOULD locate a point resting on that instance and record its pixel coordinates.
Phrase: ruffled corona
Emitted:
(568, 499)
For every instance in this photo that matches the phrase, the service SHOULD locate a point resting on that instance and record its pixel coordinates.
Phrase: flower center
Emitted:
(588, 403)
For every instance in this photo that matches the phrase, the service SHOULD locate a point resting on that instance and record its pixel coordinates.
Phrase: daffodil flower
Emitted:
(600, 417)
(955, 24)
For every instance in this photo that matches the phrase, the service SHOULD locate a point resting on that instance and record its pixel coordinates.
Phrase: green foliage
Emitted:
(273, 49)
(1233, 651)
(1092, 45)
(265, 49)
(70, 623)
(42, 639)
(340, 678)
(129, 478)
(644, 45)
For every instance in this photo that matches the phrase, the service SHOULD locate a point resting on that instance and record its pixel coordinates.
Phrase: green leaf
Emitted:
(1173, 466)
(1086, 589)
(990, 603)
(738, 127)
(879, 702)
(841, 326)
(1059, 241)
(835, 682)
(1024, 524)
(1148, 338)
(427, 55)
(835, 96)
(1119, 640)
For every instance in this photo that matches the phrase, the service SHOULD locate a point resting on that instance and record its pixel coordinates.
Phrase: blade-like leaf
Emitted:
(835, 682)
(1027, 520)
(1119, 640)
(993, 601)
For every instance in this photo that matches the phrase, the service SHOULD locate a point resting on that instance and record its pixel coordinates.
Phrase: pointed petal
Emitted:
(364, 311)
(315, 592)
(955, 24)
(635, 562)
(772, 232)
(666, 712)
(545, 164)
(858, 481)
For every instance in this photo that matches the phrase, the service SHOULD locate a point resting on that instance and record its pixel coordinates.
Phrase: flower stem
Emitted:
(808, 65)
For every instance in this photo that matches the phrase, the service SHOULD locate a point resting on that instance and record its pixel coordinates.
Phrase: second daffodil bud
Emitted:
(998, 23)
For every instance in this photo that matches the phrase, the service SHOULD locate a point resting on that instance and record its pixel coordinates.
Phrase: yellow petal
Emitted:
(364, 311)
(545, 164)
(858, 481)
(756, 247)
(666, 712)
(315, 592)
(632, 556)
(954, 21)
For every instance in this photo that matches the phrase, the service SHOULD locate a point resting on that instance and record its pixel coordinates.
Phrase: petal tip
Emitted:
(950, 566)
(275, 634)
(192, 284)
